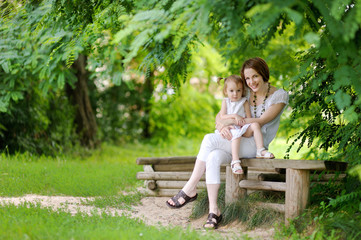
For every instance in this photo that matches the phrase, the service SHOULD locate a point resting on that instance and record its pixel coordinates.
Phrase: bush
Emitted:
(188, 114)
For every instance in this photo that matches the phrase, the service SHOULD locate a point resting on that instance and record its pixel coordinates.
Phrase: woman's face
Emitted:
(234, 91)
(253, 79)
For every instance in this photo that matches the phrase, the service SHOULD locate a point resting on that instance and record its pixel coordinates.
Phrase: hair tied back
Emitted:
(220, 79)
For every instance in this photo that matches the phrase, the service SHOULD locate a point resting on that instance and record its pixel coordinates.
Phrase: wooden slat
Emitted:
(263, 185)
(314, 178)
(187, 167)
(294, 164)
(150, 184)
(177, 184)
(165, 160)
(170, 176)
(255, 163)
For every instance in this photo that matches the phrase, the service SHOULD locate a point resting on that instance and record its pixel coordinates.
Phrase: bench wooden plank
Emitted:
(294, 164)
(263, 185)
(177, 184)
(166, 160)
(169, 176)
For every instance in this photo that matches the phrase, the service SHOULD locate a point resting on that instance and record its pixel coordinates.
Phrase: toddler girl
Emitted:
(235, 106)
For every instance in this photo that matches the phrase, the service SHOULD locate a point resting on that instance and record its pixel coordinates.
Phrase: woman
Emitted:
(267, 104)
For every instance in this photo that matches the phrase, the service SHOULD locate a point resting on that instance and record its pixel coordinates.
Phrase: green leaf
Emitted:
(343, 100)
(350, 114)
(294, 15)
(342, 77)
(5, 66)
(313, 38)
(61, 80)
(338, 8)
(16, 95)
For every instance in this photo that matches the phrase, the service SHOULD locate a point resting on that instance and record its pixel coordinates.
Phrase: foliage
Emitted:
(187, 113)
(38, 125)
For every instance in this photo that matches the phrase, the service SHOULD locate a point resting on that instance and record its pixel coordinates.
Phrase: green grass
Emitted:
(29, 221)
(106, 172)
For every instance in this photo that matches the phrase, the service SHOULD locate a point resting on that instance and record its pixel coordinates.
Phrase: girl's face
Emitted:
(253, 79)
(234, 91)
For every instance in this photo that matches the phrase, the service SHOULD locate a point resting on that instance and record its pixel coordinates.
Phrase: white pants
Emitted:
(216, 150)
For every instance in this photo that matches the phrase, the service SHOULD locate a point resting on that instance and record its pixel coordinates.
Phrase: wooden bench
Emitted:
(167, 175)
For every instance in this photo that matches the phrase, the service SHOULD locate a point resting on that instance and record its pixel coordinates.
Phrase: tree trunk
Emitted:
(147, 93)
(85, 118)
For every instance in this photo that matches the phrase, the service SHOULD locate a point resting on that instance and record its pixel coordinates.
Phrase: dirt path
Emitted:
(152, 211)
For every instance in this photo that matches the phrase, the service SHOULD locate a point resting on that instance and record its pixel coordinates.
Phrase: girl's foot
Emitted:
(236, 166)
(263, 153)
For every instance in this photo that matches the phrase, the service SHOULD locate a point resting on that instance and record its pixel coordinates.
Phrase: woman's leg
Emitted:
(210, 142)
(190, 188)
(213, 179)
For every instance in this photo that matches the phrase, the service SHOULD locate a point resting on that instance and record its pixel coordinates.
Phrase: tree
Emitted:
(46, 45)
(327, 87)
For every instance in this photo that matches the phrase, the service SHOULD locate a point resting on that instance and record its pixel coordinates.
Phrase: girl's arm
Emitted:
(223, 112)
(270, 114)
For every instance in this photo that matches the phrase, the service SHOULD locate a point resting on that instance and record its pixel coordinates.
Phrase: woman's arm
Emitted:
(247, 109)
(270, 114)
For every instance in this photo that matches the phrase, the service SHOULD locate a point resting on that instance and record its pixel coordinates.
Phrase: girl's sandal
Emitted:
(266, 155)
(236, 169)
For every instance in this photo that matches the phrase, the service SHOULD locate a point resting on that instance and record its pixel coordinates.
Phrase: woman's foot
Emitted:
(236, 166)
(263, 153)
(180, 200)
(213, 221)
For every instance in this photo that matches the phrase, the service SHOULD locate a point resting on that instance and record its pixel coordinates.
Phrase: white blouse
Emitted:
(269, 130)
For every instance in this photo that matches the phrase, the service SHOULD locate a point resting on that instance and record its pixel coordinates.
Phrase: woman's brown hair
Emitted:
(259, 65)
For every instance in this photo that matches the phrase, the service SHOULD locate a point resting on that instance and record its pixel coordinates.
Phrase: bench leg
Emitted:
(297, 191)
(233, 191)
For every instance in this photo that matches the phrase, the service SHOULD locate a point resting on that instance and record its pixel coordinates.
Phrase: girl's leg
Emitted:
(255, 129)
(235, 155)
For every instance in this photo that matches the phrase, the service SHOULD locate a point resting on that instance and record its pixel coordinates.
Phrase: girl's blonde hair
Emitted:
(234, 78)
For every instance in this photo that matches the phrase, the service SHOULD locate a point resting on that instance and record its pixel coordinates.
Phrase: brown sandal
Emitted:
(210, 218)
(181, 194)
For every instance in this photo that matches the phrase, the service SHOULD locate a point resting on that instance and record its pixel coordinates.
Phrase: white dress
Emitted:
(216, 150)
(237, 108)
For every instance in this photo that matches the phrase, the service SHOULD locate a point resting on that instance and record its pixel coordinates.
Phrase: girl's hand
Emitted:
(226, 133)
(239, 121)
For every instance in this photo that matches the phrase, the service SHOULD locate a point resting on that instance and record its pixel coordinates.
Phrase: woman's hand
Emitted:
(225, 132)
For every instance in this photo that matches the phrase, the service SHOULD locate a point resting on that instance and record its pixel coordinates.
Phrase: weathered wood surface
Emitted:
(263, 185)
(187, 167)
(297, 192)
(232, 190)
(294, 164)
(314, 178)
(177, 184)
(170, 176)
(150, 184)
(165, 160)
